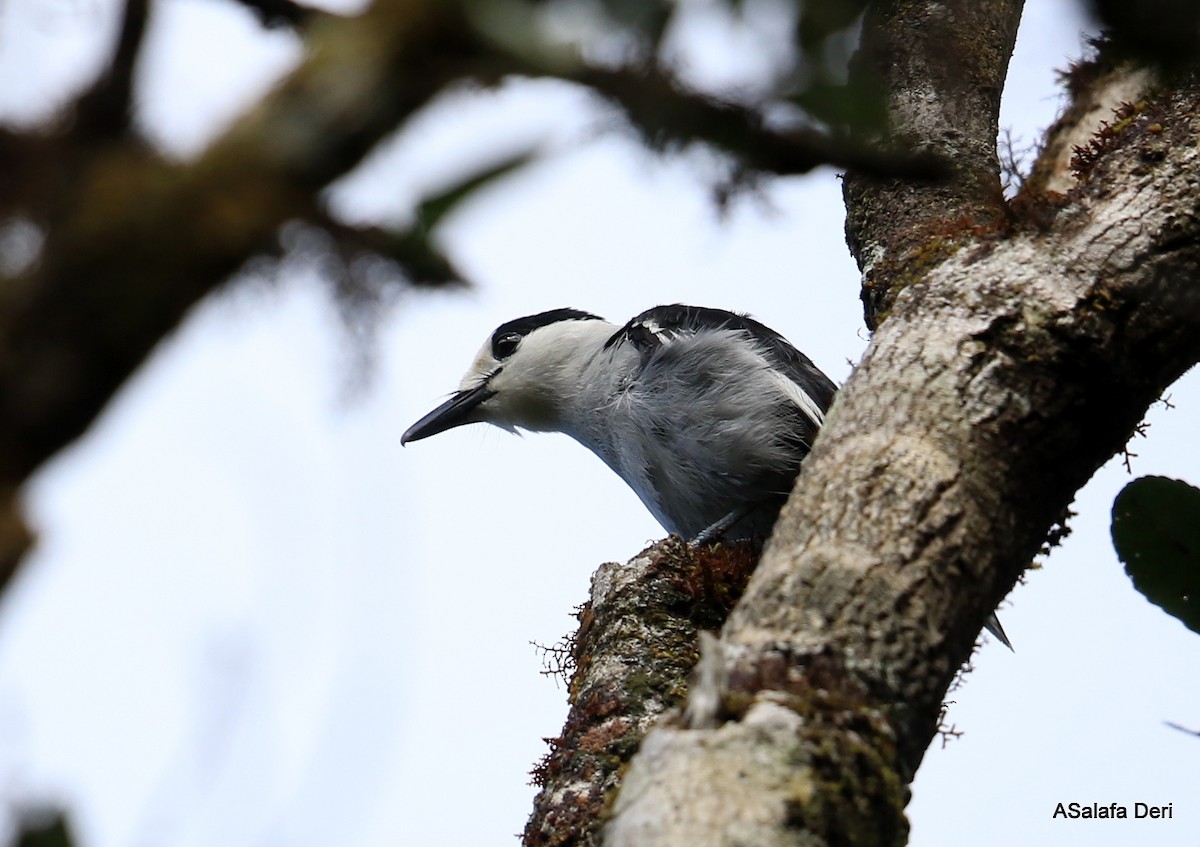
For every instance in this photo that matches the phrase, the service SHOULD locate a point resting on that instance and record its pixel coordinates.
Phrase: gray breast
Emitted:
(697, 429)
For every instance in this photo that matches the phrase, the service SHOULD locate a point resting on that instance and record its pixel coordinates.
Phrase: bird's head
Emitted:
(522, 375)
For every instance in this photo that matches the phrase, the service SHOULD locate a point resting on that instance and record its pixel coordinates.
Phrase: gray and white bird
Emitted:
(706, 414)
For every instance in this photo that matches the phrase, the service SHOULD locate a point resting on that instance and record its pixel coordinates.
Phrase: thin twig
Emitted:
(105, 110)
(1174, 725)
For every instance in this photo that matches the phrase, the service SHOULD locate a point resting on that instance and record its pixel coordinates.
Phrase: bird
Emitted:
(706, 414)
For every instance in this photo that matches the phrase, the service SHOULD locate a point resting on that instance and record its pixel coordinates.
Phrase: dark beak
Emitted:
(454, 412)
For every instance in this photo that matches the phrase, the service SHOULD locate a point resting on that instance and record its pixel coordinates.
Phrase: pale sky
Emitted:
(254, 620)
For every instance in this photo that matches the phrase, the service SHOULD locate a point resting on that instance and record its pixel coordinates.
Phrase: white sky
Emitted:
(253, 619)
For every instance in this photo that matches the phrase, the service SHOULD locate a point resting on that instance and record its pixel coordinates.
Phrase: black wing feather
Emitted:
(659, 326)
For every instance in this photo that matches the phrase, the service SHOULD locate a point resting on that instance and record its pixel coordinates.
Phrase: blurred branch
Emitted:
(665, 114)
(277, 13)
(668, 115)
(1165, 33)
(105, 109)
(132, 241)
(411, 249)
(22, 161)
(128, 241)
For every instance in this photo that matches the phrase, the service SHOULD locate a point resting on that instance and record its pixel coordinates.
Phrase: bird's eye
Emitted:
(504, 346)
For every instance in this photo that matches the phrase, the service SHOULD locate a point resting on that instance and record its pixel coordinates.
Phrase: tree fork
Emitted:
(942, 66)
(1000, 382)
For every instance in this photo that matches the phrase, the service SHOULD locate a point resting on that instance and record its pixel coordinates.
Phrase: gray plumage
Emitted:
(702, 412)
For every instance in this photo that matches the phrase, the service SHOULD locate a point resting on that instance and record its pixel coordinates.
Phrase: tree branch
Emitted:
(133, 241)
(410, 249)
(1002, 379)
(104, 111)
(666, 114)
(943, 65)
(637, 642)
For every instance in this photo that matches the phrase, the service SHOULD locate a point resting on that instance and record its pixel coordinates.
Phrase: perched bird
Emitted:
(706, 414)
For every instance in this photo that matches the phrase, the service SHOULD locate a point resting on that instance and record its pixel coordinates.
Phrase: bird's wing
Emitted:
(656, 328)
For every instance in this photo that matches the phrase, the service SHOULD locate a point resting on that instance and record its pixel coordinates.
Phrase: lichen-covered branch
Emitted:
(1002, 379)
(636, 644)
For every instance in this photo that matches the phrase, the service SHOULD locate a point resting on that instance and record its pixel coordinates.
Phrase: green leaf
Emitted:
(1156, 532)
(43, 828)
(434, 208)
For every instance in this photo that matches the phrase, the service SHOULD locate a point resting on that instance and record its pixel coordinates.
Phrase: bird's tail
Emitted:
(992, 625)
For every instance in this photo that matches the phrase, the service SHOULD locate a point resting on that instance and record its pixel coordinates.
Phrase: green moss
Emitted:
(850, 792)
(915, 266)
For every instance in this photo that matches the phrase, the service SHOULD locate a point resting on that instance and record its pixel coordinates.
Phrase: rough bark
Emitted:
(942, 67)
(999, 383)
(630, 660)
(1019, 351)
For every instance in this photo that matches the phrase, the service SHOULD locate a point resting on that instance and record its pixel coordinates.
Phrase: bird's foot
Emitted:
(717, 531)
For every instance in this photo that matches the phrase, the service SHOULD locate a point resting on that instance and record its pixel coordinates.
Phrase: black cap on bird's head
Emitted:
(469, 403)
